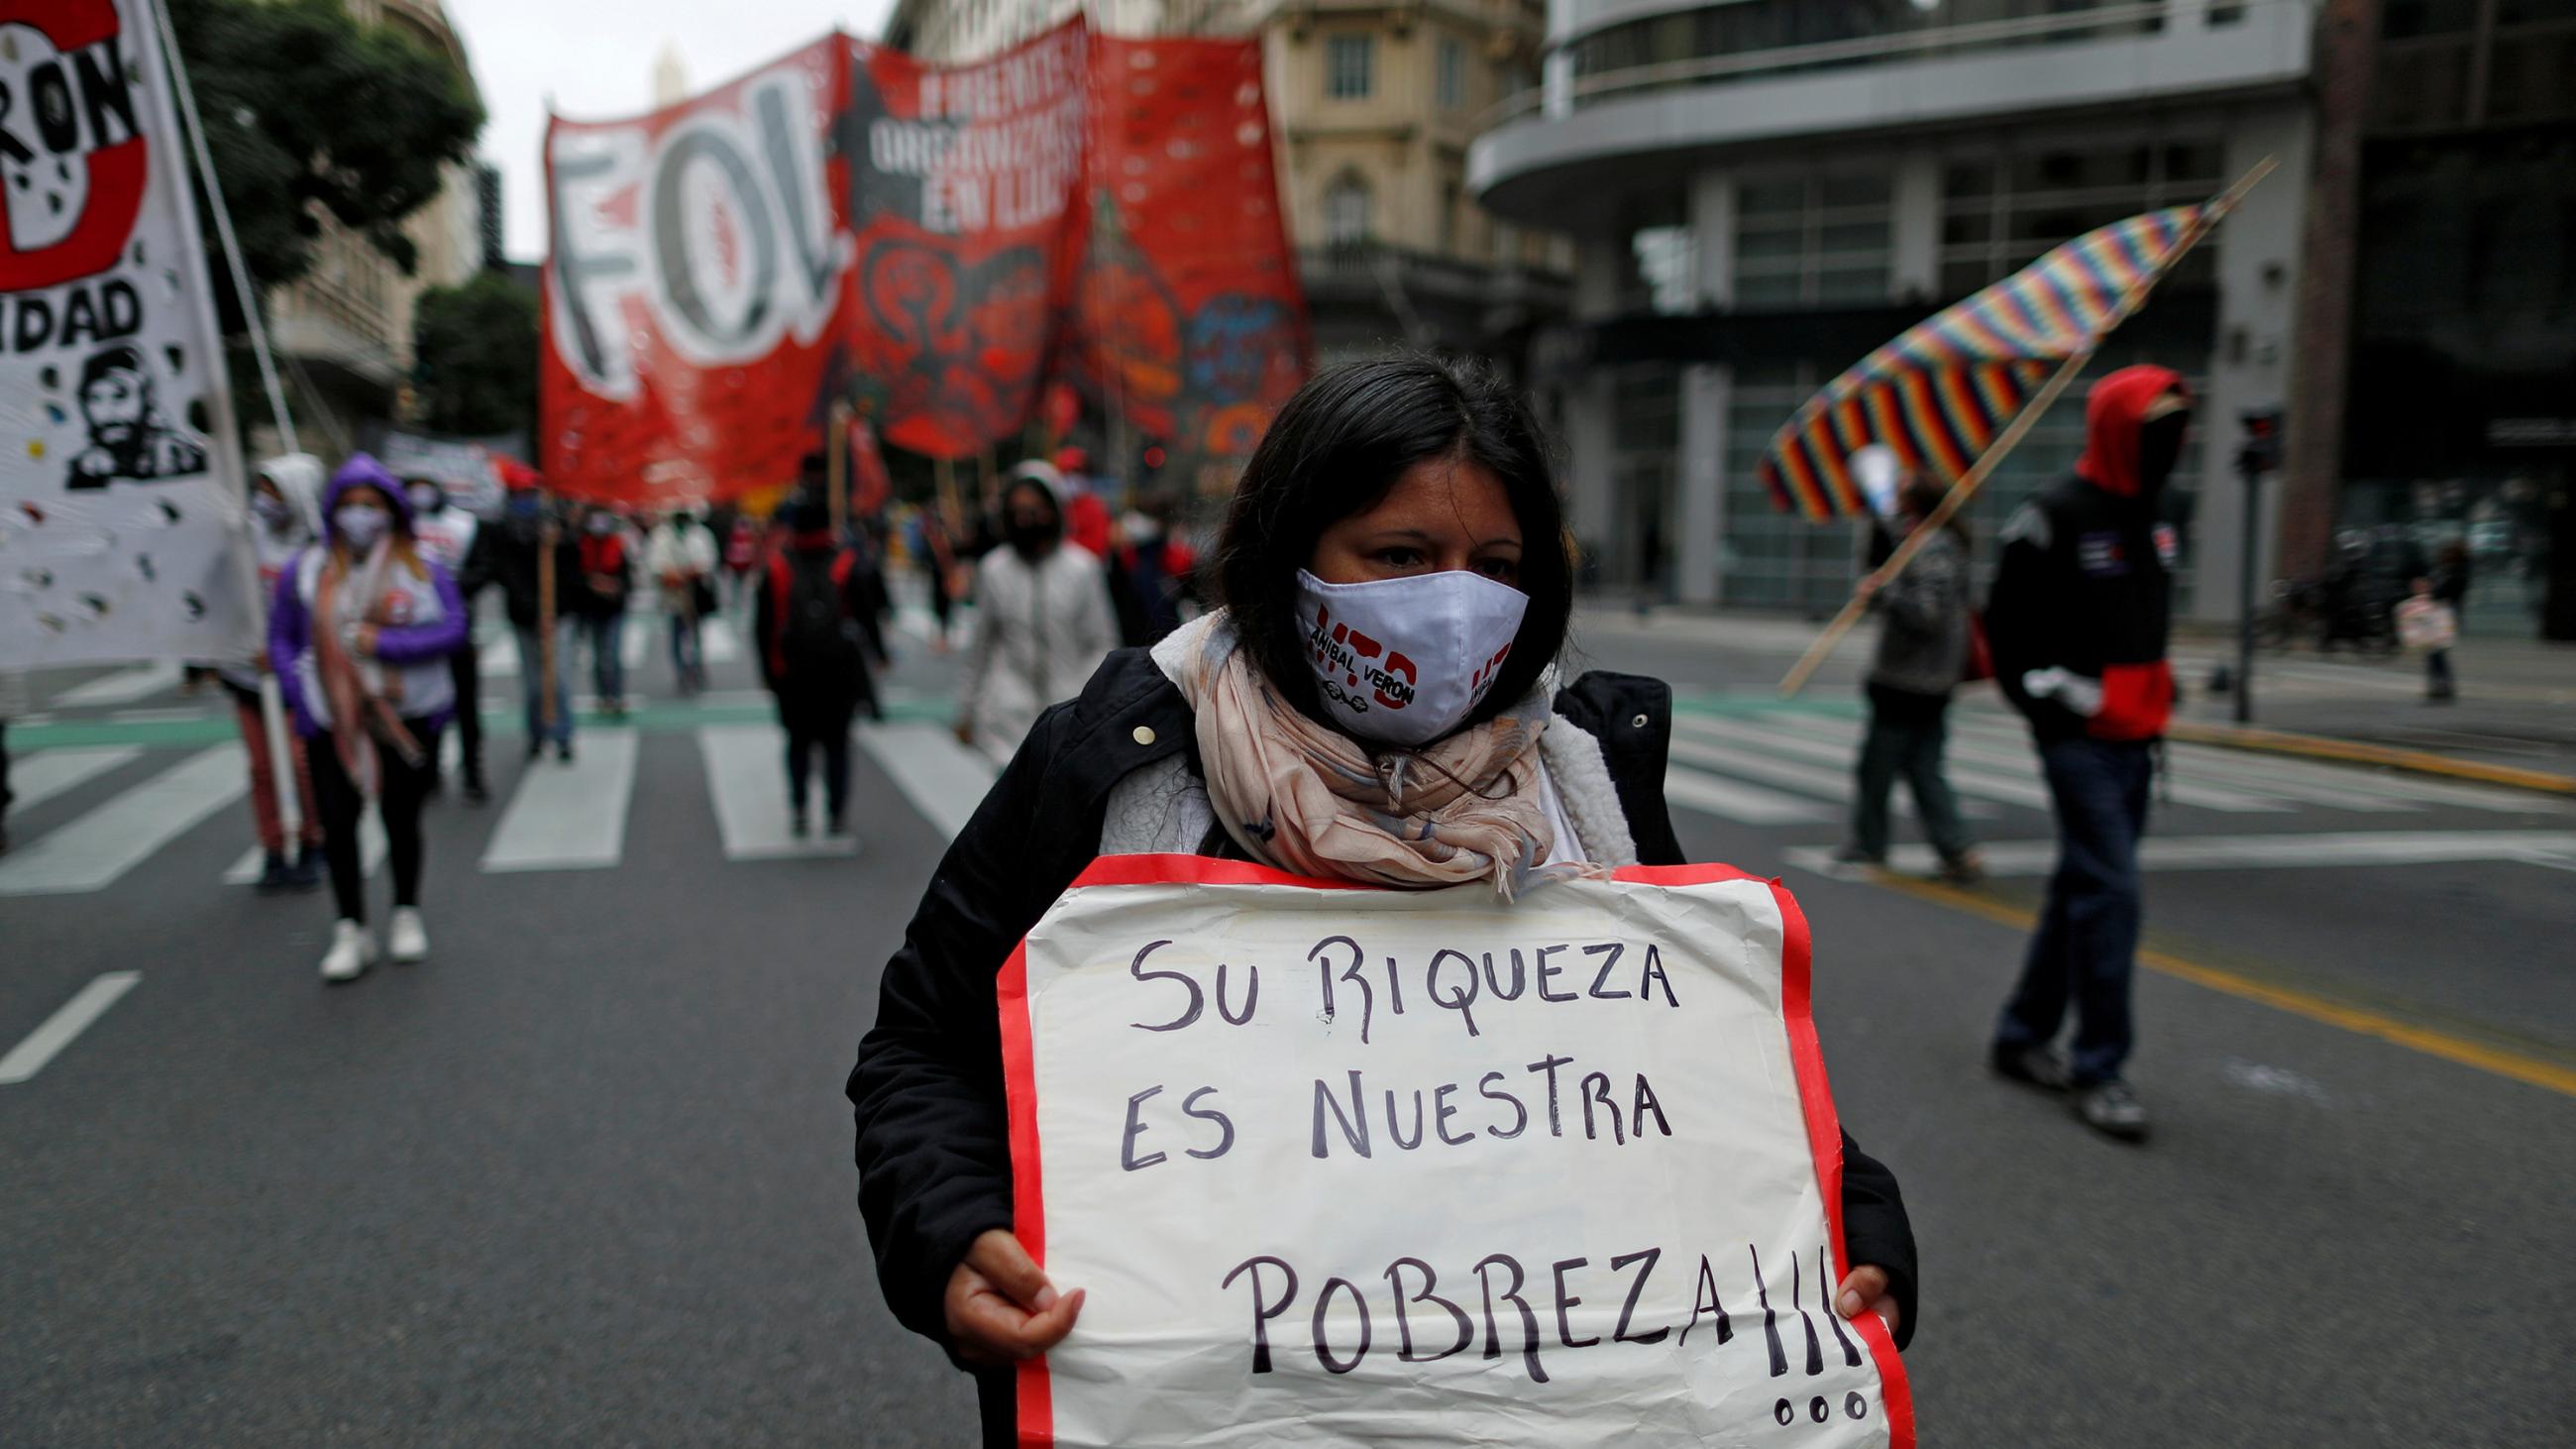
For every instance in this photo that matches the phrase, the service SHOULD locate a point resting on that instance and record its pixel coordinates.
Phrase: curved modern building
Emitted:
(1761, 191)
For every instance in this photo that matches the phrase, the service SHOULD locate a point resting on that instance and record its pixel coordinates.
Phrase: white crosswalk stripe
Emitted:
(90, 852)
(371, 854)
(2009, 759)
(1717, 795)
(42, 776)
(125, 686)
(1836, 785)
(2321, 850)
(499, 657)
(718, 637)
(569, 817)
(943, 779)
(748, 781)
(1809, 737)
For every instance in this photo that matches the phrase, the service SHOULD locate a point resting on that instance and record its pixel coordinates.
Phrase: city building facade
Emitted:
(1373, 106)
(1761, 191)
(343, 331)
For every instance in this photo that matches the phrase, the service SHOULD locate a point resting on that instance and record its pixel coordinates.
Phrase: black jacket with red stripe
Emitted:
(2085, 583)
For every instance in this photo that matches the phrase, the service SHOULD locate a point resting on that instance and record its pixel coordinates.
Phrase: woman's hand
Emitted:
(1864, 1290)
(363, 639)
(1001, 1309)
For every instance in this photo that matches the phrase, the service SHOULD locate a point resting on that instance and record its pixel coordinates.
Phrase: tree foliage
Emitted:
(474, 356)
(307, 109)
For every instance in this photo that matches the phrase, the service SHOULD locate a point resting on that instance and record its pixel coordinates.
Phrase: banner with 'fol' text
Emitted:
(1416, 1167)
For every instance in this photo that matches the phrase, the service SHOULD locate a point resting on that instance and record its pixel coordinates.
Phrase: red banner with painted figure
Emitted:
(1189, 316)
(965, 196)
(851, 223)
(696, 278)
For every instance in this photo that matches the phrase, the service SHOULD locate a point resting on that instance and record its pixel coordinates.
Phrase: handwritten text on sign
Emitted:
(1416, 1167)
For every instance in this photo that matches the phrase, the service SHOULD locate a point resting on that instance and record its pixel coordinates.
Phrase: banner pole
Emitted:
(2011, 437)
(836, 468)
(546, 538)
(231, 244)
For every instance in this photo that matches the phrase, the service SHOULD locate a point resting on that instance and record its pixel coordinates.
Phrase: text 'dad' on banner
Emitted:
(1416, 1167)
(122, 532)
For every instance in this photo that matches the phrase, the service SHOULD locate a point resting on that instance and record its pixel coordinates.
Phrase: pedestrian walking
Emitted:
(538, 570)
(741, 556)
(2450, 579)
(359, 636)
(1416, 497)
(1150, 573)
(816, 622)
(1042, 620)
(2077, 621)
(607, 578)
(1923, 645)
(935, 552)
(453, 539)
(2426, 623)
(681, 557)
(286, 519)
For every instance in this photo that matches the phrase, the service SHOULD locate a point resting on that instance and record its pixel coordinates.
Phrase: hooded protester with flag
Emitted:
(286, 518)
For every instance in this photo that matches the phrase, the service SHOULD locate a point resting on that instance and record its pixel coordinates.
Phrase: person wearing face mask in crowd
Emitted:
(600, 605)
(286, 517)
(1922, 655)
(1412, 500)
(681, 556)
(453, 539)
(525, 533)
(1150, 573)
(816, 621)
(1042, 620)
(2077, 622)
(359, 636)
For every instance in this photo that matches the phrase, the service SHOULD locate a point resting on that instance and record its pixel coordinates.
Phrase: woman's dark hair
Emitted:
(1336, 449)
(1922, 498)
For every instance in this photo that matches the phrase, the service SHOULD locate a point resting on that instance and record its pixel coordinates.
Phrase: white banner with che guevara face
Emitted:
(121, 506)
(1347, 1166)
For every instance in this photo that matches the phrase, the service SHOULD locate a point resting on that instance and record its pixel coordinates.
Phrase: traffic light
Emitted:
(2260, 451)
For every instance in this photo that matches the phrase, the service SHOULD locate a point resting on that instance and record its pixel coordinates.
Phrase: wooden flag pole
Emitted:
(1809, 662)
(837, 468)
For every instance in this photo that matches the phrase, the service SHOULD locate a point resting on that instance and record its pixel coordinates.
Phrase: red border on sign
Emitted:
(1806, 1056)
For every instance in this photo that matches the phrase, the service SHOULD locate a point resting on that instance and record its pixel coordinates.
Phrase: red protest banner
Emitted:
(697, 267)
(1189, 310)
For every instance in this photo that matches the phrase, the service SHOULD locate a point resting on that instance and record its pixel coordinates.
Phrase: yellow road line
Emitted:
(2356, 752)
(2514, 1065)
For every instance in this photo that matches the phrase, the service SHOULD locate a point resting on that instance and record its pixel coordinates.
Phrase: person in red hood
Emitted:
(2077, 623)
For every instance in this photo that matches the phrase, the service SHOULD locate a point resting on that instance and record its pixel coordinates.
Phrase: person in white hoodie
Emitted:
(286, 515)
(1042, 619)
(681, 557)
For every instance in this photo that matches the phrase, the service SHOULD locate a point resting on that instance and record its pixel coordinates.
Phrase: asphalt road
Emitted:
(583, 1178)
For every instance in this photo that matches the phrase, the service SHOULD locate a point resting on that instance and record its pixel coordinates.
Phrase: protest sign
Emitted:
(1418, 1167)
(122, 522)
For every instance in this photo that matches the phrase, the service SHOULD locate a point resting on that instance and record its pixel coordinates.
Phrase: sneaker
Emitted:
(406, 939)
(797, 824)
(275, 875)
(352, 952)
(536, 747)
(1966, 868)
(2111, 1109)
(1854, 855)
(2038, 1066)
(476, 792)
(837, 823)
(309, 869)
(563, 751)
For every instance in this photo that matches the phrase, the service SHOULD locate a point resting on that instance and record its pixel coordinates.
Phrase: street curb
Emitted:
(2356, 752)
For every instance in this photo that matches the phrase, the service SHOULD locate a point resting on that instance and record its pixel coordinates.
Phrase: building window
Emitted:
(1349, 61)
(1812, 241)
(1346, 211)
(1450, 82)
(2001, 212)
(1656, 265)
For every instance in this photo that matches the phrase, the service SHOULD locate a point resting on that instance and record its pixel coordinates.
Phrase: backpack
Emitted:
(818, 642)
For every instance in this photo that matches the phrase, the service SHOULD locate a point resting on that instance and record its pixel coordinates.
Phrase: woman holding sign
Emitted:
(1377, 702)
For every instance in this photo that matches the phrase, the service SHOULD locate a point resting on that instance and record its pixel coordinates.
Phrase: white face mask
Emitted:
(1405, 661)
(359, 525)
(426, 500)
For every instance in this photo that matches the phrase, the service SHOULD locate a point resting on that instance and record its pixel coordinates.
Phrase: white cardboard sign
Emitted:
(1415, 1167)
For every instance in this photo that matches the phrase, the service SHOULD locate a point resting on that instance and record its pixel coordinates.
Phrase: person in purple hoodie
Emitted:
(359, 636)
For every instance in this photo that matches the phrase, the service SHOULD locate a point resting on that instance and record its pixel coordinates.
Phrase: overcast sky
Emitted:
(596, 61)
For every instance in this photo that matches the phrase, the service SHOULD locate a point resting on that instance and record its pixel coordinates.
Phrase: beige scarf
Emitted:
(1307, 798)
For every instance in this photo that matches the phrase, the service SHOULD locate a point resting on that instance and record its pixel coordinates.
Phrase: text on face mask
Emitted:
(1341, 648)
